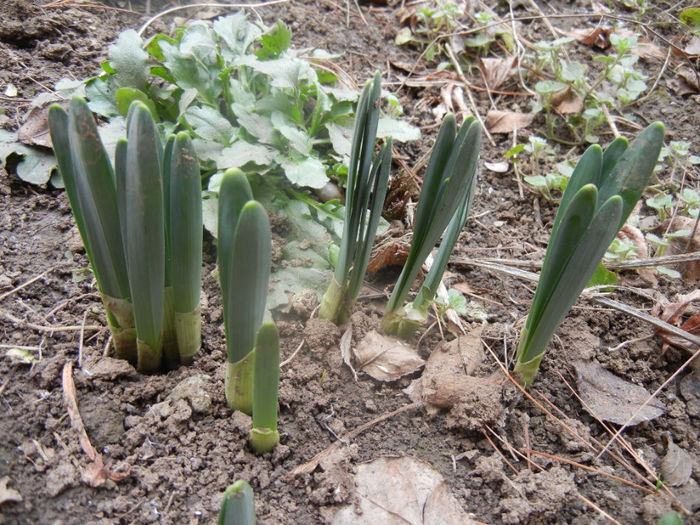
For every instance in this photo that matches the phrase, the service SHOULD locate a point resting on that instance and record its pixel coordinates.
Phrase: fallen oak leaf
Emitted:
(597, 37)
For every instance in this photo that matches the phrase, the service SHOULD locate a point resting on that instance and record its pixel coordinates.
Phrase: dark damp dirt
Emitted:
(173, 434)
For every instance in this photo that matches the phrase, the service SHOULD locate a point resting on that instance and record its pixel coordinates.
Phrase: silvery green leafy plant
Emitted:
(602, 192)
(366, 189)
(123, 217)
(448, 187)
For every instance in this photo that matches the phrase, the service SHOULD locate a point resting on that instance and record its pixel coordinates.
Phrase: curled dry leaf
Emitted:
(607, 397)
(497, 70)
(396, 491)
(686, 82)
(596, 37)
(693, 47)
(497, 167)
(677, 466)
(97, 472)
(635, 235)
(35, 129)
(7, 494)
(386, 358)
(507, 121)
(567, 102)
(345, 349)
(672, 313)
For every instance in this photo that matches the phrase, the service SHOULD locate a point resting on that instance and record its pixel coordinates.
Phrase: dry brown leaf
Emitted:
(597, 37)
(497, 70)
(610, 398)
(397, 491)
(672, 312)
(35, 129)
(392, 253)
(693, 47)
(345, 349)
(507, 121)
(567, 102)
(6, 494)
(497, 167)
(685, 82)
(635, 235)
(386, 358)
(677, 466)
(97, 472)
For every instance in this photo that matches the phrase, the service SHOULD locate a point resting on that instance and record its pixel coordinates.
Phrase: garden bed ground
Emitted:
(181, 452)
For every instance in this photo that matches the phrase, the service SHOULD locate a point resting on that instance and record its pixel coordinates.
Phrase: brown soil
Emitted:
(181, 451)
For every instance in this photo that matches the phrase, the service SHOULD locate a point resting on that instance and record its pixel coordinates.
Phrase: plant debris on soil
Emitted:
(88, 440)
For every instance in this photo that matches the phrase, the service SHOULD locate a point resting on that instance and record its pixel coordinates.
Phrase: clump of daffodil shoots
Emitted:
(448, 188)
(366, 189)
(602, 192)
(123, 215)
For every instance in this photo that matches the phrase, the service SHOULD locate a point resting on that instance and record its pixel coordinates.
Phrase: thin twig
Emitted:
(25, 284)
(589, 469)
(47, 328)
(310, 466)
(289, 359)
(205, 4)
(461, 76)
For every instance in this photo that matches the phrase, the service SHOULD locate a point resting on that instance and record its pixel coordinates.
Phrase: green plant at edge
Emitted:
(366, 189)
(670, 518)
(445, 197)
(602, 192)
(238, 505)
(244, 256)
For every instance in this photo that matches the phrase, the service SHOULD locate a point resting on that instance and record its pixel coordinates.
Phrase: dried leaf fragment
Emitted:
(386, 358)
(677, 466)
(397, 491)
(497, 70)
(7, 494)
(567, 102)
(507, 121)
(610, 398)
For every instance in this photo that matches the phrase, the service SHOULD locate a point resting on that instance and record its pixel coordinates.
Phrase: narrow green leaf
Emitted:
(575, 220)
(432, 280)
(586, 250)
(145, 235)
(266, 377)
(378, 179)
(185, 223)
(587, 171)
(238, 505)
(89, 181)
(633, 170)
(446, 184)
(233, 194)
(247, 273)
